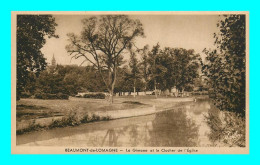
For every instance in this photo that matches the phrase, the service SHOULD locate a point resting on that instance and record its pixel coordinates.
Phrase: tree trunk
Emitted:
(113, 79)
(155, 90)
(112, 95)
(170, 91)
(134, 88)
(181, 92)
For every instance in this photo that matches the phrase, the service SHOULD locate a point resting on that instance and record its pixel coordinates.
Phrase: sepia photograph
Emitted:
(130, 82)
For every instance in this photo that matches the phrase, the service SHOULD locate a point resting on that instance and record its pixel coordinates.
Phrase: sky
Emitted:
(176, 31)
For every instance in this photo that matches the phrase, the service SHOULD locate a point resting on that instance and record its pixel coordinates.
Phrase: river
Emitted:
(184, 126)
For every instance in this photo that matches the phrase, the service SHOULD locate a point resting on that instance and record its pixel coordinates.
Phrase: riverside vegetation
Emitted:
(71, 120)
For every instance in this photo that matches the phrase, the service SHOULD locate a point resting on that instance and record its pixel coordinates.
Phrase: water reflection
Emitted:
(173, 129)
(214, 122)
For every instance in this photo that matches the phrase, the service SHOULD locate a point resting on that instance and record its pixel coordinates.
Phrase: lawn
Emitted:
(37, 108)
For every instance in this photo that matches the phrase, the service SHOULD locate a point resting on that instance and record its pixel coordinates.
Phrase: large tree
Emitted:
(144, 65)
(173, 67)
(186, 65)
(225, 65)
(153, 66)
(31, 32)
(165, 61)
(135, 75)
(103, 43)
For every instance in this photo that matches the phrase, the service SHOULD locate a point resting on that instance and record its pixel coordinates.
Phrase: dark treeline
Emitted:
(156, 69)
(65, 79)
(164, 69)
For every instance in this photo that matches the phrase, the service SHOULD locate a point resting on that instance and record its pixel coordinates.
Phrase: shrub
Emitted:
(86, 118)
(95, 95)
(39, 95)
(62, 96)
(51, 96)
(133, 102)
(226, 127)
(25, 95)
(105, 118)
(95, 117)
(91, 118)
(70, 120)
(32, 127)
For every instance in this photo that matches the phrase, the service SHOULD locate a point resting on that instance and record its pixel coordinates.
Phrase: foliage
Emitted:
(185, 68)
(133, 102)
(51, 96)
(102, 43)
(92, 118)
(71, 119)
(225, 66)
(226, 127)
(144, 65)
(153, 65)
(32, 127)
(31, 30)
(25, 95)
(95, 95)
(135, 75)
(68, 80)
(133, 64)
(50, 82)
(173, 67)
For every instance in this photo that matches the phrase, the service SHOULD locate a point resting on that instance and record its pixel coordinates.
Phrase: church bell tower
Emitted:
(53, 61)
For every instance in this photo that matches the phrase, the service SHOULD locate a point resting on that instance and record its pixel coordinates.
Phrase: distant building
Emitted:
(53, 61)
(52, 66)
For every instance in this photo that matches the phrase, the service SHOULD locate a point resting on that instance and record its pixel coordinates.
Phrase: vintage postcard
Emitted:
(130, 82)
